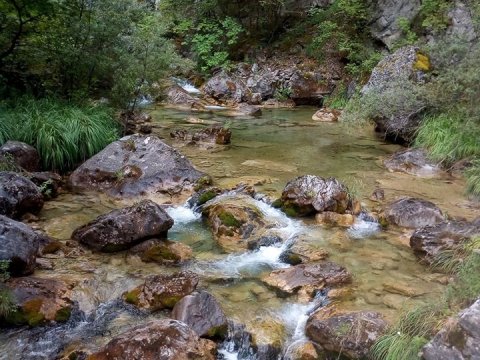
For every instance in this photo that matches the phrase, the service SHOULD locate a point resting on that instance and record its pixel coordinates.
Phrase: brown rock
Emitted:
(163, 251)
(158, 339)
(334, 219)
(326, 115)
(162, 291)
(413, 213)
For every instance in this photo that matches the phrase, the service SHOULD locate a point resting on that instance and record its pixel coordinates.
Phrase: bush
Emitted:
(63, 134)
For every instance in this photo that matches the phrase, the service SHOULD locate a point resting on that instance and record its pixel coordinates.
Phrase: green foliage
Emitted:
(63, 134)
(473, 178)
(338, 99)
(229, 219)
(283, 93)
(7, 300)
(212, 41)
(435, 14)
(409, 37)
(343, 27)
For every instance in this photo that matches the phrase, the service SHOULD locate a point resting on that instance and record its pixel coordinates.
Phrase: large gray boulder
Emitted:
(18, 245)
(458, 341)
(413, 213)
(22, 154)
(202, 312)
(121, 229)
(429, 241)
(224, 87)
(414, 162)
(309, 194)
(136, 165)
(392, 83)
(18, 195)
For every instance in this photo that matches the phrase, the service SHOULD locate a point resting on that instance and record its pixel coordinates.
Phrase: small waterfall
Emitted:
(186, 85)
(364, 227)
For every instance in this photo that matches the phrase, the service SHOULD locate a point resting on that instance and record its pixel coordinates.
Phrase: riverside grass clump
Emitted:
(417, 326)
(64, 134)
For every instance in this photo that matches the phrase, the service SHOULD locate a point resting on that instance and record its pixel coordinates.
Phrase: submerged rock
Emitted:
(18, 195)
(307, 278)
(429, 241)
(162, 291)
(311, 194)
(235, 220)
(249, 110)
(136, 165)
(214, 135)
(39, 301)
(412, 161)
(163, 251)
(158, 339)
(413, 213)
(121, 229)
(18, 245)
(350, 334)
(22, 154)
(459, 340)
(335, 219)
(202, 312)
(302, 252)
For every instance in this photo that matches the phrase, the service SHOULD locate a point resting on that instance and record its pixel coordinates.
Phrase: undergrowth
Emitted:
(415, 327)
(64, 134)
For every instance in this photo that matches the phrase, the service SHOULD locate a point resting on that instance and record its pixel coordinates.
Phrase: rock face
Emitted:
(39, 301)
(311, 194)
(163, 251)
(202, 313)
(224, 87)
(23, 155)
(135, 165)
(234, 221)
(162, 291)
(18, 195)
(461, 22)
(349, 334)
(405, 66)
(213, 135)
(306, 278)
(430, 240)
(178, 96)
(460, 340)
(121, 229)
(412, 161)
(19, 245)
(385, 26)
(158, 339)
(413, 213)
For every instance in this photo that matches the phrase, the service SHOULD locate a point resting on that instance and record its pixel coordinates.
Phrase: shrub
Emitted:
(63, 134)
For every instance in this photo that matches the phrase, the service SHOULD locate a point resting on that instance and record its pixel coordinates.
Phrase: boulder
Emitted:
(213, 135)
(350, 334)
(18, 195)
(384, 23)
(224, 87)
(326, 115)
(18, 245)
(202, 312)
(162, 291)
(413, 213)
(391, 81)
(307, 278)
(163, 251)
(157, 339)
(304, 350)
(311, 194)
(176, 95)
(39, 301)
(249, 110)
(305, 88)
(234, 220)
(412, 161)
(429, 241)
(49, 183)
(459, 340)
(136, 165)
(22, 154)
(121, 229)
(302, 252)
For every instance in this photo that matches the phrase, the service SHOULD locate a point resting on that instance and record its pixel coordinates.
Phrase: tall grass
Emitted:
(413, 330)
(64, 134)
(473, 178)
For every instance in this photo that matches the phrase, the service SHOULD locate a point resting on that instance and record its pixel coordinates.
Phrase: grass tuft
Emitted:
(473, 178)
(64, 134)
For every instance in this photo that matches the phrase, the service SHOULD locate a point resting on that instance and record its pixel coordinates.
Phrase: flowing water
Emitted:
(265, 152)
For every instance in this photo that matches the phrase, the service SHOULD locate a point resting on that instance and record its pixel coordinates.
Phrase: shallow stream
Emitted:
(265, 152)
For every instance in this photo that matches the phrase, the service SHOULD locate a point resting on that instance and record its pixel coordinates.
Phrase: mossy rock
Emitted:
(132, 297)
(422, 62)
(229, 220)
(206, 196)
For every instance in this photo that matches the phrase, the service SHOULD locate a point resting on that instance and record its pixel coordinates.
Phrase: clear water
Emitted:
(265, 152)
